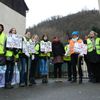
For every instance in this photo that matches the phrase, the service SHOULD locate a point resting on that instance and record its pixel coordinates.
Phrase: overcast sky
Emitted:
(40, 10)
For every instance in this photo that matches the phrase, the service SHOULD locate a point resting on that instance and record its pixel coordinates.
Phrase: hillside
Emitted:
(82, 21)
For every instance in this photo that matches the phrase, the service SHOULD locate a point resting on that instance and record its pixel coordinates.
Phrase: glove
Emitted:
(27, 54)
(33, 57)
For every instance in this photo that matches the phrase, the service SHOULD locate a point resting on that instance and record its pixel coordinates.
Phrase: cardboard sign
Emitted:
(45, 46)
(14, 41)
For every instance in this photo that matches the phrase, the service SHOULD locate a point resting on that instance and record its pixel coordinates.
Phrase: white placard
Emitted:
(14, 41)
(28, 47)
(80, 48)
(32, 47)
(45, 46)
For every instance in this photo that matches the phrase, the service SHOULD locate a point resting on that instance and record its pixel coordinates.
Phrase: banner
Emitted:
(14, 41)
(45, 46)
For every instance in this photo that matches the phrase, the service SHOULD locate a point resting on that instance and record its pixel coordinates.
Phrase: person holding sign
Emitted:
(44, 55)
(67, 59)
(10, 53)
(25, 60)
(35, 59)
(76, 55)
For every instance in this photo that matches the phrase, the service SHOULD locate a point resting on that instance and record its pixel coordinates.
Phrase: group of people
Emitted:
(70, 53)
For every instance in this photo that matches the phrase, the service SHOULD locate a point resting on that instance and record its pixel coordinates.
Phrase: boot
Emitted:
(8, 86)
(74, 80)
(69, 79)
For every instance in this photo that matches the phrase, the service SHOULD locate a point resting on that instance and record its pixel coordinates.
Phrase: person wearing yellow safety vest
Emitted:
(93, 49)
(67, 59)
(2, 46)
(10, 62)
(86, 60)
(35, 60)
(44, 55)
(24, 58)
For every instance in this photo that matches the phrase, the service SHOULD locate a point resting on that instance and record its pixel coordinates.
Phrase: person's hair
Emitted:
(93, 32)
(27, 32)
(35, 35)
(12, 30)
(2, 27)
(44, 36)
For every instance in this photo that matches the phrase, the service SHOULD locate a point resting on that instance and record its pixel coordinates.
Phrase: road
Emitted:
(53, 91)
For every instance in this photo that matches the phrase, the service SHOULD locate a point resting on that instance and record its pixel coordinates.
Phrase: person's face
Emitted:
(28, 35)
(13, 31)
(86, 37)
(45, 37)
(35, 38)
(1, 29)
(92, 35)
(74, 36)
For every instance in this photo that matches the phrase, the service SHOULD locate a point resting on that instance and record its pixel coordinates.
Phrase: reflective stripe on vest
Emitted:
(2, 42)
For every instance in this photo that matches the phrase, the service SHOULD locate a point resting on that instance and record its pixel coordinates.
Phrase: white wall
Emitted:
(10, 18)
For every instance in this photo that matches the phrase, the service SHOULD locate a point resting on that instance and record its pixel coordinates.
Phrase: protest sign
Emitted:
(28, 47)
(80, 48)
(14, 41)
(45, 46)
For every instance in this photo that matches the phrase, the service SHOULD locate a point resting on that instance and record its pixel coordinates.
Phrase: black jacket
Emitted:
(57, 49)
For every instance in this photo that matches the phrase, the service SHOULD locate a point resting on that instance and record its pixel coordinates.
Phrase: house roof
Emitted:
(17, 5)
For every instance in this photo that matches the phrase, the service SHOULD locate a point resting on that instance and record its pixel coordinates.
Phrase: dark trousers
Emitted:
(9, 72)
(58, 70)
(76, 61)
(88, 67)
(95, 68)
(69, 69)
(33, 69)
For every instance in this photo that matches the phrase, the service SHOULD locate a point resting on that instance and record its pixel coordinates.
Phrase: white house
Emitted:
(13, 15)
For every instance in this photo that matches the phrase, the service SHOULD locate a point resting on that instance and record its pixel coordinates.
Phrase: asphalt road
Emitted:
(53, 91)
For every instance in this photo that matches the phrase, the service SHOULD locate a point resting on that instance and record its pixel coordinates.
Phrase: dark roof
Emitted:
(17, 5)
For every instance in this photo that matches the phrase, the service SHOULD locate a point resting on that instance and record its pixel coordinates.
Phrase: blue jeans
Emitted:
(43, 66)
(23, 72)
